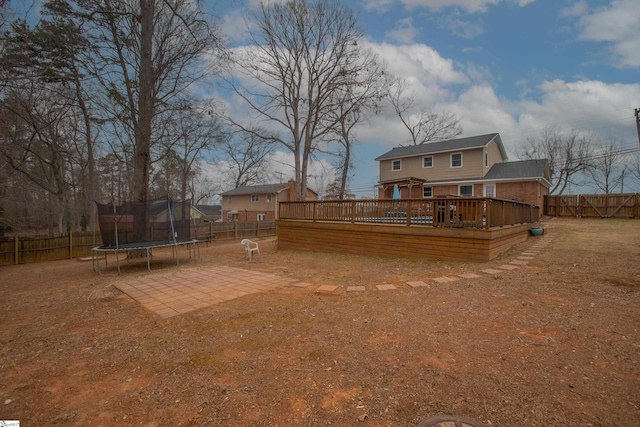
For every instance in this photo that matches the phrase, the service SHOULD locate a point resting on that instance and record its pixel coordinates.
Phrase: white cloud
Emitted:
(377, 5)
(420, 62)
(234, 25)
(460, 26)
(556, 85)
(577, 9)
(481, 112)
(404, 32)
(586, 105)
(471, 6)
(618, 25)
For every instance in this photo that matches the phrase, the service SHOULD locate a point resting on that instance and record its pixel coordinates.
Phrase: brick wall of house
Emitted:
(452, 190)
(444, 190)
(247, 215)
(529, 192)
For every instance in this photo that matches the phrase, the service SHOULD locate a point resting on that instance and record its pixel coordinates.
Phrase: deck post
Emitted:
(353, 212)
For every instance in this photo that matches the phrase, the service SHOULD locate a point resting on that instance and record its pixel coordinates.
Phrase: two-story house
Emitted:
(258, 202)
(473, 166)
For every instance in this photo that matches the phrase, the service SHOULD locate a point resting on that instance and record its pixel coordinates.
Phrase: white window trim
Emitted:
(256, 196)
(484, 189)
(426, 157)
(393, 163)
(465, 185)
(261, 217)
(486, 160)
(423, 188)
(451, 160)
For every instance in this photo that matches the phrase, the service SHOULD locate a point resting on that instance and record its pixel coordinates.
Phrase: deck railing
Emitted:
(450, 212)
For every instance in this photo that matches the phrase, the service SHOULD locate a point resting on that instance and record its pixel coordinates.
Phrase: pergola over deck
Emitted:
(408, 187)
(458, 228)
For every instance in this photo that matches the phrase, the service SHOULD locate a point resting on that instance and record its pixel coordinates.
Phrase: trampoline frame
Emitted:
(142, 246)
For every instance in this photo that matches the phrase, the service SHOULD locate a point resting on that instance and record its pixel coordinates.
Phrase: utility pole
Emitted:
(637, 111)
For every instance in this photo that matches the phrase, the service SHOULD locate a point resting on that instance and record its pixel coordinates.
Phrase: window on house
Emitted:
(262, 217)
(427, 162)
(255, 198)
(228, 199)
(456, 160)
(427, 191)
(396, 165)
(465, 190)
(268, 197)
(486, 160)
(489, 190)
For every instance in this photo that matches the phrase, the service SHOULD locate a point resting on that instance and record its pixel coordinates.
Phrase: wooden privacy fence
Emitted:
(20, 250)
(594, 205)
(451, 212)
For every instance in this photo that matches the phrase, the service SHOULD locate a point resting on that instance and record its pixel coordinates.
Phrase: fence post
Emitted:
(70, 244)
(235, 229)
(16, 250)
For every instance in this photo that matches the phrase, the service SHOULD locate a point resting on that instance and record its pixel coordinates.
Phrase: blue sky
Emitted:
(507, 66)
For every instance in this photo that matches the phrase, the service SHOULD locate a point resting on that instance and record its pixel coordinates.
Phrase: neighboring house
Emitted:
(258, 202)
(159, 210)
(212, 213)
(473, 166)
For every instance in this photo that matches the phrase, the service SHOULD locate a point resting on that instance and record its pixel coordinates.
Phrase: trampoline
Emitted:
(135, 228)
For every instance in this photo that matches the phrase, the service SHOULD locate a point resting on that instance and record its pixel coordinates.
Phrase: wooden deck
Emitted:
(399, 240)
(463, 229)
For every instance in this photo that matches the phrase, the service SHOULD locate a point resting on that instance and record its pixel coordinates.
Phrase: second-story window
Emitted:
(486, 160)
(456, 160)
(229, 198)
(396, 165)
(255, 198)
(427, 162)
(268, 196)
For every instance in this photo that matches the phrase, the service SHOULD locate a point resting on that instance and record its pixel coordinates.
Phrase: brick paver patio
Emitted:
(184, 291)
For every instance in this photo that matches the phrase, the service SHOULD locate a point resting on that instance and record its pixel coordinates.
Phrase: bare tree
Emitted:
(606, 168)
(423, 125)
(246, 153)
(353, 106)
(568, 156)
(303, 53)
(335, 191)
(148, 54)
(34, 142)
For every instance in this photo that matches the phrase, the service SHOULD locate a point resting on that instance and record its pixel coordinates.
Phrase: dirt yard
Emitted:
(555, 342)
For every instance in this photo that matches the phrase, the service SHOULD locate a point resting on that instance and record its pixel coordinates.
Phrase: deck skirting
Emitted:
(392, 240)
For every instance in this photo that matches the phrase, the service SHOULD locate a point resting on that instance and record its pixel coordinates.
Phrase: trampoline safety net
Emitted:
(160, 221)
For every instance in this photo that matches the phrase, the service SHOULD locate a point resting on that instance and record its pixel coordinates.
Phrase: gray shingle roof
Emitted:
(518, 169)
(256, 189)
(444, 146)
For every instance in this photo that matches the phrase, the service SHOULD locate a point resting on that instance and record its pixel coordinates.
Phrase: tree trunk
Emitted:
(142, 155)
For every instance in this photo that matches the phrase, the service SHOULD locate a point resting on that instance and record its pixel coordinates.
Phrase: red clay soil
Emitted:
(554, 341)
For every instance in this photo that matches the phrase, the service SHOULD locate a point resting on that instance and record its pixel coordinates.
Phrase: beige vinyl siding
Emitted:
(244, 202)
(473, 165)
(495, 156)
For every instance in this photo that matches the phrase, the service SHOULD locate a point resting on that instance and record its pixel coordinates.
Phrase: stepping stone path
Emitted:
(179, 293)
